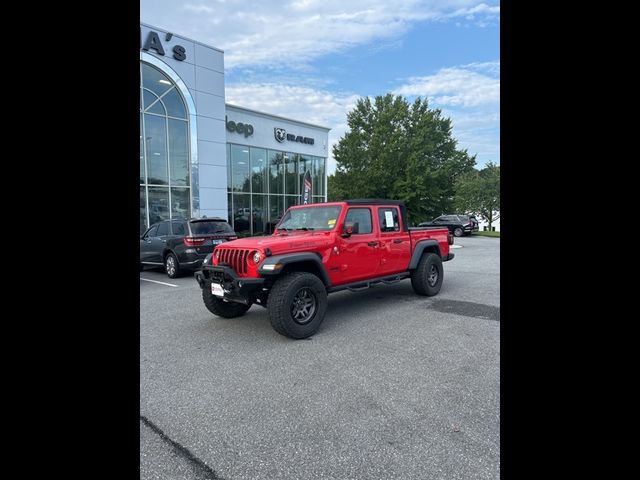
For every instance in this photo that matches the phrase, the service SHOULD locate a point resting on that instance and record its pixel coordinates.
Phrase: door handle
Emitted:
(372, 244)
(398, 240)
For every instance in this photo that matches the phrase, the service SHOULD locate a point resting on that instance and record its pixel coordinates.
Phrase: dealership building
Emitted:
(200, 156)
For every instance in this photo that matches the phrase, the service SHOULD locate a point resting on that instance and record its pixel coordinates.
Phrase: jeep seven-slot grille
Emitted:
(235, 257)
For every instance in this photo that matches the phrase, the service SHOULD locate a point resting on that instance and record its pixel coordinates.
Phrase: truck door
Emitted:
(357, 256)
(394, 243)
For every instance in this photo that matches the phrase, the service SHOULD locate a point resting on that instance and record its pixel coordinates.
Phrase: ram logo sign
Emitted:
(280, 134)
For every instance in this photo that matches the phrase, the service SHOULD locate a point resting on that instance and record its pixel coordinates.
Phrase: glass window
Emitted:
(361, 219)
(174, 104)
(259, 213)
(155, 80)
(276, 209)
(143, 209)
(152, 104)
(164, 149)
(317, 199)
(291, 173)
(241, 212)
(240, 168)
(388, 219)
(158, 204)
(229, 168)
(258, 170)
(207, 227)
(178, 152)
(230, 208)
(142, 167)
(152, 231)
(180, 203)
(318, 176)
(276, 168)
(156, 143)
(178, 228)
(304, 164)
(290, 201)
(163, 229)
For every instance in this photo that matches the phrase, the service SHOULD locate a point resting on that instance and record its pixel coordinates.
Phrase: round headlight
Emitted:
(257, 257)
(217, 254)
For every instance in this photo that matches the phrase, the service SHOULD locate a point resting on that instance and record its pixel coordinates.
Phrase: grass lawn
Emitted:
(487, 234)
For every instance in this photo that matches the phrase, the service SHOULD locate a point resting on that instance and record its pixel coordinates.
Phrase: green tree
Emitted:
(397, 150)
(479, 192)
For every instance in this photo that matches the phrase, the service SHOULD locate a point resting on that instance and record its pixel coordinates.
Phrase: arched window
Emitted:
(164, 149)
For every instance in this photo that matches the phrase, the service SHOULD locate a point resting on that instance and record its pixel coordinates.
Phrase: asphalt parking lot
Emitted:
(393, 385)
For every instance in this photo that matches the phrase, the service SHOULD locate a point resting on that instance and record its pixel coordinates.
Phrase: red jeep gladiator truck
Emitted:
(319, 249)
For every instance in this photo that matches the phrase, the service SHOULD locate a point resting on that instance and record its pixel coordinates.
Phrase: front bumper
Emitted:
(236, 289)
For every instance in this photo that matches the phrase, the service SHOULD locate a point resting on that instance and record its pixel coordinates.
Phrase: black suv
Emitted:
(457, 224)
(182, 244)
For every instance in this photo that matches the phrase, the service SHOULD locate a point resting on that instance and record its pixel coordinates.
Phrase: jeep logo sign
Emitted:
(243, 128)
(281, 134)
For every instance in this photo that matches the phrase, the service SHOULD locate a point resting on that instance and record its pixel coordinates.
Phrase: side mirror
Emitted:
(347, 230)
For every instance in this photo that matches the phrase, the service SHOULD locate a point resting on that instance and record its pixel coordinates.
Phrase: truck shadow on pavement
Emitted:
(346, 306)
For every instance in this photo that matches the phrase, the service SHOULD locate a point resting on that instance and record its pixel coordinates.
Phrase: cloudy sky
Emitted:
(311, 60)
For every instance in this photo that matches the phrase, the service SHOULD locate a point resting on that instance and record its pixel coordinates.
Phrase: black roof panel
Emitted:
(374, 201)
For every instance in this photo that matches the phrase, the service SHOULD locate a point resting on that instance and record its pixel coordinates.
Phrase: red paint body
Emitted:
(346, 260)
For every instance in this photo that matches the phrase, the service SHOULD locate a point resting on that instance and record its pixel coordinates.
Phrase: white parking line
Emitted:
(161, 283)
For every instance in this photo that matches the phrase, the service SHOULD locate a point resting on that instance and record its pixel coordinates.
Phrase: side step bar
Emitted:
(360, 286)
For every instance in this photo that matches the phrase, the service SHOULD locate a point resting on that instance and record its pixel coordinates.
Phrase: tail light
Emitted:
(193, 242)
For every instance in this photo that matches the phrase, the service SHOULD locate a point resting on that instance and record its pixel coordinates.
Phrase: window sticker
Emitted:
(331, 222)
(388, 217)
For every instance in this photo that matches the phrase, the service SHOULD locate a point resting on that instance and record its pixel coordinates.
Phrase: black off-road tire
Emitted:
(458, 232)
(422, 278)
(172, 269)
(141, 267)
(294, 294)
(219, 307)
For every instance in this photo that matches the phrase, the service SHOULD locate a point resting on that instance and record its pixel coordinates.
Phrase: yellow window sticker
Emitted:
(331, 222)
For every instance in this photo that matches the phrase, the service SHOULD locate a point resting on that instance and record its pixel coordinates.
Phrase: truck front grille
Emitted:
(236, 258)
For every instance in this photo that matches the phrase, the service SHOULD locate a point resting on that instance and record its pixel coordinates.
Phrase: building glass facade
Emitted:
(263, 183)
(164, 149)
(200, 156)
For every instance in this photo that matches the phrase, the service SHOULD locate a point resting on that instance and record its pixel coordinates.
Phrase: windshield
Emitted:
(311, 218)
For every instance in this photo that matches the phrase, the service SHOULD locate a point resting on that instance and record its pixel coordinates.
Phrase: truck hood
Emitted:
(290, 242)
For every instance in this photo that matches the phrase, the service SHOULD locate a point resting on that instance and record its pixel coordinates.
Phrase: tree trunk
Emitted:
(490, 218)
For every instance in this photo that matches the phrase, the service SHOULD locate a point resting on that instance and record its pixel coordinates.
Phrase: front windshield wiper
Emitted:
(305, 228)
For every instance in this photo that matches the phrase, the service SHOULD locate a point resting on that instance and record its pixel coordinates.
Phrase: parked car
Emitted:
(319, 249)
(475, 225)
(457, 224)
(182, 245)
